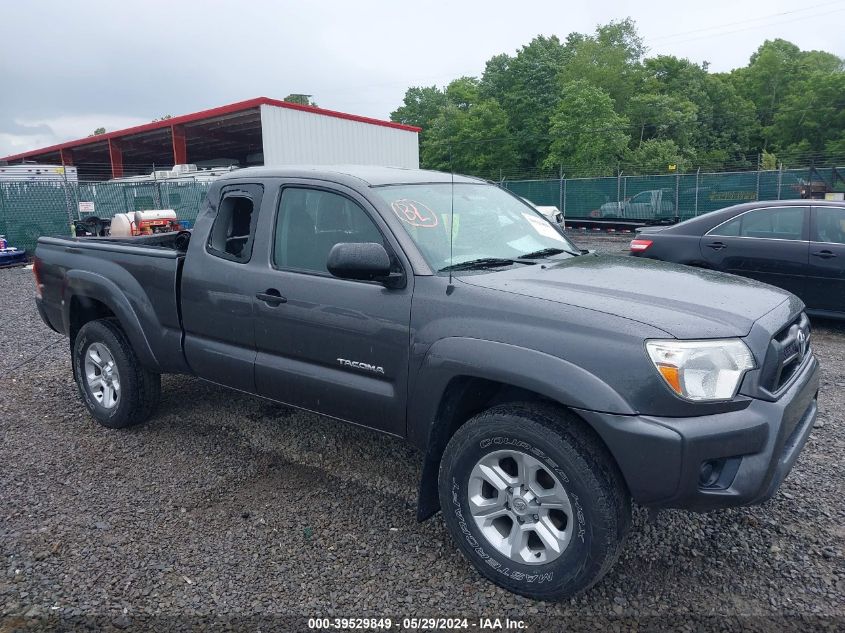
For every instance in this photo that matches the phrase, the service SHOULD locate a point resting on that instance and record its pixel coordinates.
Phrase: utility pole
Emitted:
(561, 186)
(68, 202)
(619, 189)
(677, 195)
(156, 189)
(697, 176)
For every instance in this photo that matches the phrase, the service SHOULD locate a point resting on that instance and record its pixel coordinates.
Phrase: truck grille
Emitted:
(786, 354)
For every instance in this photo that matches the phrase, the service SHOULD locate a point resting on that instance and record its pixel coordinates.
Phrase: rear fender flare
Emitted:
(82, 283)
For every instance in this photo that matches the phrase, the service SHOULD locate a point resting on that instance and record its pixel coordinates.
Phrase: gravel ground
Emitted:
(223, 508)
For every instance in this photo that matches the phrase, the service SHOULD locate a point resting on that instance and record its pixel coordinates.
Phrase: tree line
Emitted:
(596, 104)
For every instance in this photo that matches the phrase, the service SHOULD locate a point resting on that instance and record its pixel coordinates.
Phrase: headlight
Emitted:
(701, 370)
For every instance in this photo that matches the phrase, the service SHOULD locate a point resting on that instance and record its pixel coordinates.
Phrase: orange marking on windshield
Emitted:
(414, 213)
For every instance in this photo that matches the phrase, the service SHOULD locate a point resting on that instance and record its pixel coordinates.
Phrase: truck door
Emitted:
(769, 244)
(338, 347)
(216, 302)
(826, 272)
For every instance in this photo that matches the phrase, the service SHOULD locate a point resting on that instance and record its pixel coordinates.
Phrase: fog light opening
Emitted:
(709, 473)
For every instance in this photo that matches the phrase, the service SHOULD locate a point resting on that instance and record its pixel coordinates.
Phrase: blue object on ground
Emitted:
(12, 257)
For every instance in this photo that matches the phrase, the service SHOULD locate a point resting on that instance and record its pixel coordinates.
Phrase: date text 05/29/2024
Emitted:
(426, 624)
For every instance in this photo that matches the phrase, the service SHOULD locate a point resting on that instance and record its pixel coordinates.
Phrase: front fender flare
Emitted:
(449, 358)
(530, 369)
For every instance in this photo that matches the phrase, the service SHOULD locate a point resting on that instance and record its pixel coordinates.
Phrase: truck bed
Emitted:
(134, 278)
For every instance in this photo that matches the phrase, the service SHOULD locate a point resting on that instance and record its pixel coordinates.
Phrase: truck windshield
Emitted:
(488, 223)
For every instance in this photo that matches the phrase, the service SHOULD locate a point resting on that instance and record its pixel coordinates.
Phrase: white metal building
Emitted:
(254, 132)
(296, 137)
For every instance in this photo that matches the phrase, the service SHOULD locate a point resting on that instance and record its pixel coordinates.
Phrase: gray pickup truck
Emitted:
(546, 386)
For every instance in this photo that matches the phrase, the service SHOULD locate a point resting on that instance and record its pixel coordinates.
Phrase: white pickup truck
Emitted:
(645, 205)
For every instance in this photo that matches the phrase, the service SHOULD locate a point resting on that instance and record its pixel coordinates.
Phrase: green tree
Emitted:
(527, 88)
(471, 140)
(654, 157)
(463, 92)
(768, 161)
(595, 99)
(300, 99)
(723, 121)
(814, 112)
(768, 76)
(729, 125)
(835, 149)
(609, 59)
(420, 107)
(660, 116)
(588, 136)
(98, 131)
(780, 78)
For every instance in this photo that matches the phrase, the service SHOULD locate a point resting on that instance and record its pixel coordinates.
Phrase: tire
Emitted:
(101, 349)
(548, 442)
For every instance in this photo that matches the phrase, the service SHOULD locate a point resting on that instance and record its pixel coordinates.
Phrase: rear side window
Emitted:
(829, 225)
(233, 230)
(310, 222)
(784, 223)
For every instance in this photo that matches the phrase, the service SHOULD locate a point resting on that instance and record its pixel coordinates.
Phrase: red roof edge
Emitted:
(208, 114)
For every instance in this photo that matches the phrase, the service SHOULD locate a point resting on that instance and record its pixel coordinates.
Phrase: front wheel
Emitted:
(117, 390)
(534, 500)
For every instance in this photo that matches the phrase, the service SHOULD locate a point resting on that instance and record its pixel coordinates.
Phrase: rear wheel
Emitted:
(534, 500)
(116, 389)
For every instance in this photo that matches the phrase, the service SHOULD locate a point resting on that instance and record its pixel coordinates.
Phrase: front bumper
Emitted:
(713, 461)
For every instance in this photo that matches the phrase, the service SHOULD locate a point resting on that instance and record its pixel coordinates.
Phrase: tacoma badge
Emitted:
(359, 365)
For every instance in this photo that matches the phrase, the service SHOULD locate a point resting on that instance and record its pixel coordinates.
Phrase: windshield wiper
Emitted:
(481, 263)
(547, 252)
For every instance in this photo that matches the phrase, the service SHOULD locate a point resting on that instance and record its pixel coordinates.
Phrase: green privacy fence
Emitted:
(666, 197)
(29, 210)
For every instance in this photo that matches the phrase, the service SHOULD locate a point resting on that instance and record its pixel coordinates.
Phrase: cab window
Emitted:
(233, 230)
(311, 221)
(829, 225)
(642, 197)
(783, 223)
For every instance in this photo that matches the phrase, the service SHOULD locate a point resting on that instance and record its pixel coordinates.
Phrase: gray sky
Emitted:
(67, 68)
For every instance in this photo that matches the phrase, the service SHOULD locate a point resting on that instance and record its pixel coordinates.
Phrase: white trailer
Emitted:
(37, 173)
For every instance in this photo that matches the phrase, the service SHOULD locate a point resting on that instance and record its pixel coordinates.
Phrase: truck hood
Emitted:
(682, 301)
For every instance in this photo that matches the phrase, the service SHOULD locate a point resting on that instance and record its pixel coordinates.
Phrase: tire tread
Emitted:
(570, 429)
(144, 398)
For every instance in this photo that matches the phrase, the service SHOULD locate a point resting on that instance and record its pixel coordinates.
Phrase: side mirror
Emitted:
(366, 261)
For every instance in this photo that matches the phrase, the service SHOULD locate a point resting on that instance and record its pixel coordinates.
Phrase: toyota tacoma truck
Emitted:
(547, 387)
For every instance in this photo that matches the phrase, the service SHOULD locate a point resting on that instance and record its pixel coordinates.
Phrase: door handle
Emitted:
(271, 297)
(825, 254)
(717, 246)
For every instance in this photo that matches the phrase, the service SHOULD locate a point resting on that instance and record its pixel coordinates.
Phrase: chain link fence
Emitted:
(668, 197)
(29, 209)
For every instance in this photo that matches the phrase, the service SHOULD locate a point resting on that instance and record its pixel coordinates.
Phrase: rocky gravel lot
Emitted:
(224, 508)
